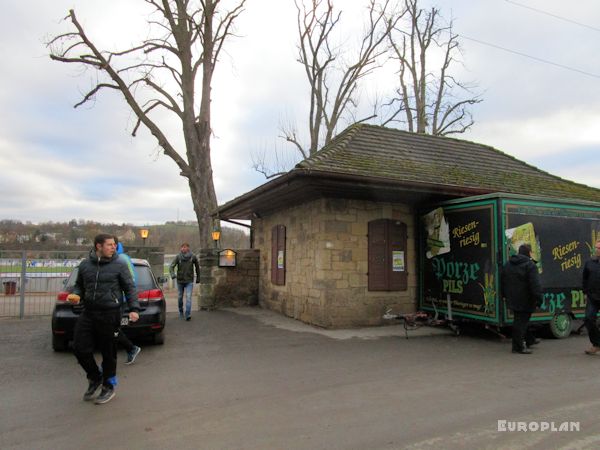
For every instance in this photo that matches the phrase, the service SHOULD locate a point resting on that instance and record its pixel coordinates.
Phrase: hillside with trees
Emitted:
(15, 235)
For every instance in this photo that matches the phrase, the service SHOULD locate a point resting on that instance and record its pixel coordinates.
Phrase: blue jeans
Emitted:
(187, 287)
(591, 314)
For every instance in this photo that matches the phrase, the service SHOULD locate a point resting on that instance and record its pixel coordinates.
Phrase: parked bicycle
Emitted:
(413, 321)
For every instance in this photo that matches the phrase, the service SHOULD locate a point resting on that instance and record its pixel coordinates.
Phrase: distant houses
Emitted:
(57, 238)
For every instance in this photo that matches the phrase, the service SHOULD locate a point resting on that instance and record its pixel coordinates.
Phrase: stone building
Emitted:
(337, 234)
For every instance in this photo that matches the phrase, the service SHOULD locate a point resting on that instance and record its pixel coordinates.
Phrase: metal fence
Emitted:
(30, 280)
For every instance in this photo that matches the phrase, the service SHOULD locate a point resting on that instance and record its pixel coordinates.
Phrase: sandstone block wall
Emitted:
(327, 263)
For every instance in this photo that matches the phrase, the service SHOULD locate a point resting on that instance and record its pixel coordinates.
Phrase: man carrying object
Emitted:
(101, 281)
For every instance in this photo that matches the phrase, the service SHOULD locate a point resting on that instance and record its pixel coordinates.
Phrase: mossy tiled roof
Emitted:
(374, 163)
(410, 158)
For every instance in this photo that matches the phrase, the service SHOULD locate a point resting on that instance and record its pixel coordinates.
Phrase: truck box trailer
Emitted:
(464, 243)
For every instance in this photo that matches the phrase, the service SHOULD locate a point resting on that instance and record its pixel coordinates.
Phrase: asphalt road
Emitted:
(252, 380)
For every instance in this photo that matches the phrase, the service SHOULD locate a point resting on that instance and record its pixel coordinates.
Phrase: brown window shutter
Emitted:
(274, 255)
(387, 238)
(277, 248)
(378, 275)
(281, 248)
(397, 243)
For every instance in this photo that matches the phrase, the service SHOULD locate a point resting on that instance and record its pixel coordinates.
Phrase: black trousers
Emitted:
(98, 329)
(124, 341)
(591, 318)
(521, 335)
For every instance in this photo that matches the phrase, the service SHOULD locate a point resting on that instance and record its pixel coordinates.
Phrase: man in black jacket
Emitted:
(101, 281)
(591, 288)
(522, 290)
(185, 262)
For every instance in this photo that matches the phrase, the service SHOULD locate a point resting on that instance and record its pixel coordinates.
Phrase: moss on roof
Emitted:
(403, 157)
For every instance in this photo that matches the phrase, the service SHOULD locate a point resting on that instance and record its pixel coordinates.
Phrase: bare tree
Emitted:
(427, 101)
(186, 38)
(333, 76)
(273, 162)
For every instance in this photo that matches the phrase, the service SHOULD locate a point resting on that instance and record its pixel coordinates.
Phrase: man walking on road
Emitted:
(102, 279)
(591, 288)
(185, 262)
(522, 290)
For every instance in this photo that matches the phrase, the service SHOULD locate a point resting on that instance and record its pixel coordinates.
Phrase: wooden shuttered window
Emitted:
(378, 279)
(278, 255)
(387, 255)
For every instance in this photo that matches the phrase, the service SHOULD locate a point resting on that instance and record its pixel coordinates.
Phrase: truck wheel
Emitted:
(59, 343)
(560, 325)
(159, 338)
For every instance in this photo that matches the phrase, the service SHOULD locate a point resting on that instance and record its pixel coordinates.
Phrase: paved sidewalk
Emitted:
(280, 321)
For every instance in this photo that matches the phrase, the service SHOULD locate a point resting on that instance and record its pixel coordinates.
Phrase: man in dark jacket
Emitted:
(102, 279)
(591, 288)
(185, 262)
(522, 290)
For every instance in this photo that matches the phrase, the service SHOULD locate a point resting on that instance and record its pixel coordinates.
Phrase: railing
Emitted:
(31, 279)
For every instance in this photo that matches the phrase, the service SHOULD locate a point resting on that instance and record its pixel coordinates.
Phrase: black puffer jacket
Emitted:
(521, 284)
(591, 279)
(101, 282)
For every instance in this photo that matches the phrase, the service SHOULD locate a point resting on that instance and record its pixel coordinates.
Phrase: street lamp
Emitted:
(144, 232)
(216, 235)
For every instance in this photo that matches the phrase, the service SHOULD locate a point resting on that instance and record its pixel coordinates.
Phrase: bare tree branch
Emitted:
(224, 29)
(323, 63)
(266, 171)
(173, 104)
(93, 92)
(270, 169)
(426, 97)
(290, 136)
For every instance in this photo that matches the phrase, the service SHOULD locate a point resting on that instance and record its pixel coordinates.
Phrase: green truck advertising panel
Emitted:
(464, 243)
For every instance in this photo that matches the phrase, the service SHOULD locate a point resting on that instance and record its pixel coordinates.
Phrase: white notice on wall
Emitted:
(280, 259)
(397, 261)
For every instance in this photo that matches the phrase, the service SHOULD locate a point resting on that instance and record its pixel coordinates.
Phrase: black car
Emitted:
(151, 323)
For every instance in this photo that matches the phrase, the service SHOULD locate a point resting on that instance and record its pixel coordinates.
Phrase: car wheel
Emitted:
(560, 325)
(59, 343)
(159, 338)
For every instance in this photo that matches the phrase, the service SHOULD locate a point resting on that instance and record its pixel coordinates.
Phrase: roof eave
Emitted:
(247, 205)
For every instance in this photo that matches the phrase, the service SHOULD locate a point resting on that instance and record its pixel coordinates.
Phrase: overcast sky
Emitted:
(59, 163)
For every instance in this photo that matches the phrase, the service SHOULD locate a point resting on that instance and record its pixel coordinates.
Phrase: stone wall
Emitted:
(228, 286)
(327, 263)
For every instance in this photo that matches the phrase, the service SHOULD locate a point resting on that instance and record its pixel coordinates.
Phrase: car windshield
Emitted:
(144, 280)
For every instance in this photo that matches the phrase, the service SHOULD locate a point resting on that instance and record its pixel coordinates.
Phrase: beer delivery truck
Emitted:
(464, 244)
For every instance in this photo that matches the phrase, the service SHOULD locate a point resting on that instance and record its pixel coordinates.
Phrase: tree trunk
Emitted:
(205, 204)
